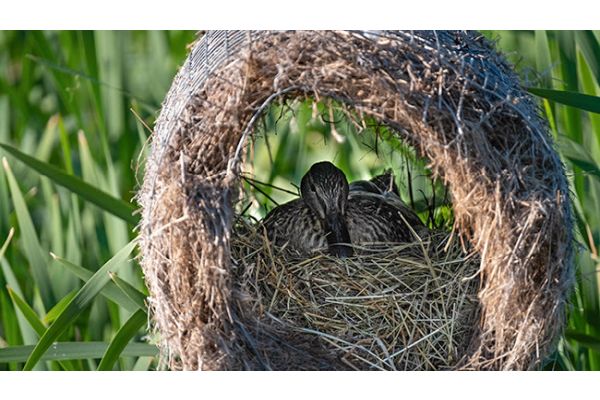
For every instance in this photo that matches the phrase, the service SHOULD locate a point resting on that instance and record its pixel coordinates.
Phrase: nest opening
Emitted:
(405, 306)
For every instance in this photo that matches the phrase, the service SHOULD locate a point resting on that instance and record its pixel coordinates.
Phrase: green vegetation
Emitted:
(74, 107)
(73, 110)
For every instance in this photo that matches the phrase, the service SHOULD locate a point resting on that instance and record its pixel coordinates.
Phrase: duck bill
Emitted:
(338, 237)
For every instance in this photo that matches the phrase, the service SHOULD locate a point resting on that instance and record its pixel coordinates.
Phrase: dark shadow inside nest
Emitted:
(391, 306)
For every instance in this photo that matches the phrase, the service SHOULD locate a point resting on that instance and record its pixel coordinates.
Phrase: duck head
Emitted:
(324, 189)
(380, 184)
(385, 183)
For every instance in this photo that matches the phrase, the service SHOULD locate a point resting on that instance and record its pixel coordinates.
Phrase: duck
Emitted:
(332, 215)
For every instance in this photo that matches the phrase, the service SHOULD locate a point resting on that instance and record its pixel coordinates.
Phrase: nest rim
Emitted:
(502, 230)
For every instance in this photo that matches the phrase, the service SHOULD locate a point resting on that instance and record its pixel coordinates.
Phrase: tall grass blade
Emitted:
(135, 295)
(110, 291)
(75, 351)
(27, 334)
(67, 157)
(108, 48)
(589, 86)
(33, 250)
(59, 307)
(46, 142)
(589, 341)
(27, 311)
(123, 336)
(116, 229)
(6, 242)
(103, 200)
(591, 51)
(53, 233)
(78, 304)
(574, 99)
(10, 325)
(35, 322)
(143, 364)
(4, 203)
(4, 117)
(579, 156)
(543, 59)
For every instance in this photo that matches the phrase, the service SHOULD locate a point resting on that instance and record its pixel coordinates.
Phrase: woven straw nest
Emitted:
(220, 300)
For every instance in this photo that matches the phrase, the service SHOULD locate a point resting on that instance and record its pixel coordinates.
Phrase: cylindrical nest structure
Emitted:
(448, 94)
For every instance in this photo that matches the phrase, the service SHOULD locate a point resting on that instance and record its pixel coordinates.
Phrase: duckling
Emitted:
(334, 215)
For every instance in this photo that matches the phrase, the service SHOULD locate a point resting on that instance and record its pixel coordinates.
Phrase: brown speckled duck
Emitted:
(330, 214)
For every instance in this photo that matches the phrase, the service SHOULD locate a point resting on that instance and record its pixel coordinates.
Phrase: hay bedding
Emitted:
(392, 307)
(450, 95)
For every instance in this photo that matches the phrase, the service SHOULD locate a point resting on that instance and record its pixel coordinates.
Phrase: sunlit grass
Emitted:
(73, 106)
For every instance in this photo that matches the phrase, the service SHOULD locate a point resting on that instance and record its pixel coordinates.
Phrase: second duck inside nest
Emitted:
(352, 266)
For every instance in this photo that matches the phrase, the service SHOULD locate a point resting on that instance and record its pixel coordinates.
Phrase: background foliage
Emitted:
(74, 111)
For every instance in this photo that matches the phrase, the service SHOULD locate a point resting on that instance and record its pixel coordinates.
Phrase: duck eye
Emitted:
(312, 187)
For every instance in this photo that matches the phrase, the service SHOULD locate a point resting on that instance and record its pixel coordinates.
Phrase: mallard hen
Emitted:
(331, 214)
